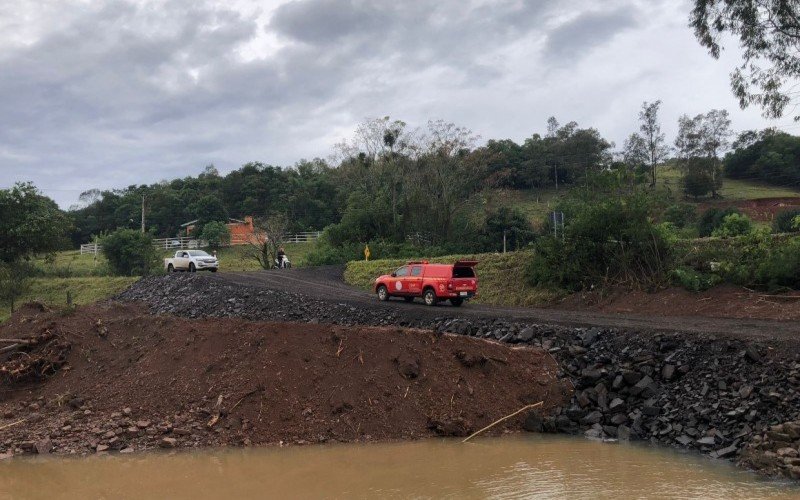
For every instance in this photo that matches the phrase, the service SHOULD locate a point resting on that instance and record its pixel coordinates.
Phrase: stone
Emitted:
(101, 447)
(592, 418)
(44, 447)
(725, 452)
(706, 441)
(180, 431)
(684, 440)
(526, 335)
(127, 411)
(168, 442)
(787, 452)
(617, 383)
(143, 424)
(651, 410)
(617, 405)
(126, 450)
(533, 423)
(752, 354)
(575, 414)
(623, 433)
(589, 337)
(619, 418)
(631, 377)
(667, 372)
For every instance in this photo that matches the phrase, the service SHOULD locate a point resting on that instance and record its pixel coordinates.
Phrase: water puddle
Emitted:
(527, 466)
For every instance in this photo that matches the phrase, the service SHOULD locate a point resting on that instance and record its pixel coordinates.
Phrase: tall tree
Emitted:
(656, 150)
(769, 33)
(700, 142)
(29, 223)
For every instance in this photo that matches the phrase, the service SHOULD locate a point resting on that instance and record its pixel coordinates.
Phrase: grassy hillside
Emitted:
(501, 277)
(53, 291)
(732, 189)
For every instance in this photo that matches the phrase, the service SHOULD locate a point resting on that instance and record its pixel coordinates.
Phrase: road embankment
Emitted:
(114, 378)
(727, 396)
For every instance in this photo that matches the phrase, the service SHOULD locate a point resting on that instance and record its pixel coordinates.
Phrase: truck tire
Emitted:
(429, 296)
(192, 269)
(213, 269)
(383, 293)
(457, 302)
(170, 268)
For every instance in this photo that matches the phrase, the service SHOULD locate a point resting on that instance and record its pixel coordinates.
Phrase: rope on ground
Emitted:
(527, 407)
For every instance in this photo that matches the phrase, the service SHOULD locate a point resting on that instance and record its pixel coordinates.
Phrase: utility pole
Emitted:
(143, 231)
(504, 241)
(555, 173)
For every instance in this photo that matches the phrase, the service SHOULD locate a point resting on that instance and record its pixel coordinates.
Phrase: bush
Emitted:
(733, 225)
(693, 280)
(781, 269)
(697, 183)
(130, 252)
(216, 234)
(680, 215)
(785, 221)
(14, 281)
(712, 219)
(606, 242)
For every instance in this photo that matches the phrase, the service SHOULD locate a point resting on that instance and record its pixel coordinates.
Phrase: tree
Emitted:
(130, 252)
(14, 281)
(655, 150)
(216, 234)
(769, 33)
(207, 209)
(268, 238)
(634, 152)
(30, 223)
(700, 142)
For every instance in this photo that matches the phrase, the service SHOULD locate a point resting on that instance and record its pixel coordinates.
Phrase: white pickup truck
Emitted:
(191, 260)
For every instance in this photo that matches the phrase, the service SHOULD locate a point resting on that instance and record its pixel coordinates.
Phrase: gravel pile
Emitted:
(700, 392)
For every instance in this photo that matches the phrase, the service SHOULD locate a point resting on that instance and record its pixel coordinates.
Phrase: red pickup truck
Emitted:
(433, 282)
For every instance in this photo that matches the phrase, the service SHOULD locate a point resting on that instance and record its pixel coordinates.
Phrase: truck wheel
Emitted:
(192, 269)
(383, 293)
(430, 297)
(170, 268)
(456, 302)
(409, 299)
(213, 269)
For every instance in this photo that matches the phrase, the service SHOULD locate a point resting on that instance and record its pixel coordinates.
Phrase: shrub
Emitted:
(14, 281)
(609, 241)
(697, 183)
(733, 225)
(130, 252)
(712, 219)
(693, 280)
(781, 269)
(785, 221)
(681, 214)
(216, 234)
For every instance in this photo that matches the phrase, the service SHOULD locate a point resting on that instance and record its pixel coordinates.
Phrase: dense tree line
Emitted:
(769, 155)
(307, 194)
(388, 182)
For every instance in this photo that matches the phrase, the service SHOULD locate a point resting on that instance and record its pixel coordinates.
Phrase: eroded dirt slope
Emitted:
(134, 381)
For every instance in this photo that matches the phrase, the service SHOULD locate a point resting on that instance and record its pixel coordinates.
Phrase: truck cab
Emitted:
(455, 282)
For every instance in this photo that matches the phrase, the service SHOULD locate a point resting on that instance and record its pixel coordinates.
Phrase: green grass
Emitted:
(501, 277)
(71, 263)
(732, 189)
(535, 204)
(53, 291)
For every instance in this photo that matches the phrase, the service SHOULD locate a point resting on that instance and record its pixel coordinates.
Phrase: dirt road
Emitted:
(326, 283)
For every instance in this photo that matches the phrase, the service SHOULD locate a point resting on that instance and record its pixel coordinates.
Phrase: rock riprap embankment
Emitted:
(714, 394)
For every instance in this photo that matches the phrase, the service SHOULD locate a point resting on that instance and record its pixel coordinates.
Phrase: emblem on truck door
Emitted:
(398, 285)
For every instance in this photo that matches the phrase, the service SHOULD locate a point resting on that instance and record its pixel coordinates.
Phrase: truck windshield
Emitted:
(197, 253)
(463, 272)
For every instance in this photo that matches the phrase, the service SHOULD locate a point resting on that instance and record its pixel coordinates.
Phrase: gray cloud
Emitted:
(113, 93)
(587, 32)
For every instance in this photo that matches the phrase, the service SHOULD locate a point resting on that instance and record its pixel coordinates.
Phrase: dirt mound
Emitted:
(133, 381)
(759, 209)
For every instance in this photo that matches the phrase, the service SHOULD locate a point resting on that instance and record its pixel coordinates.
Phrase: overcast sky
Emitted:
(108, 94)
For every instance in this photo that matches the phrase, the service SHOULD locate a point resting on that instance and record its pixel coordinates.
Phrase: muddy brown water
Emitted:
(510, 467)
